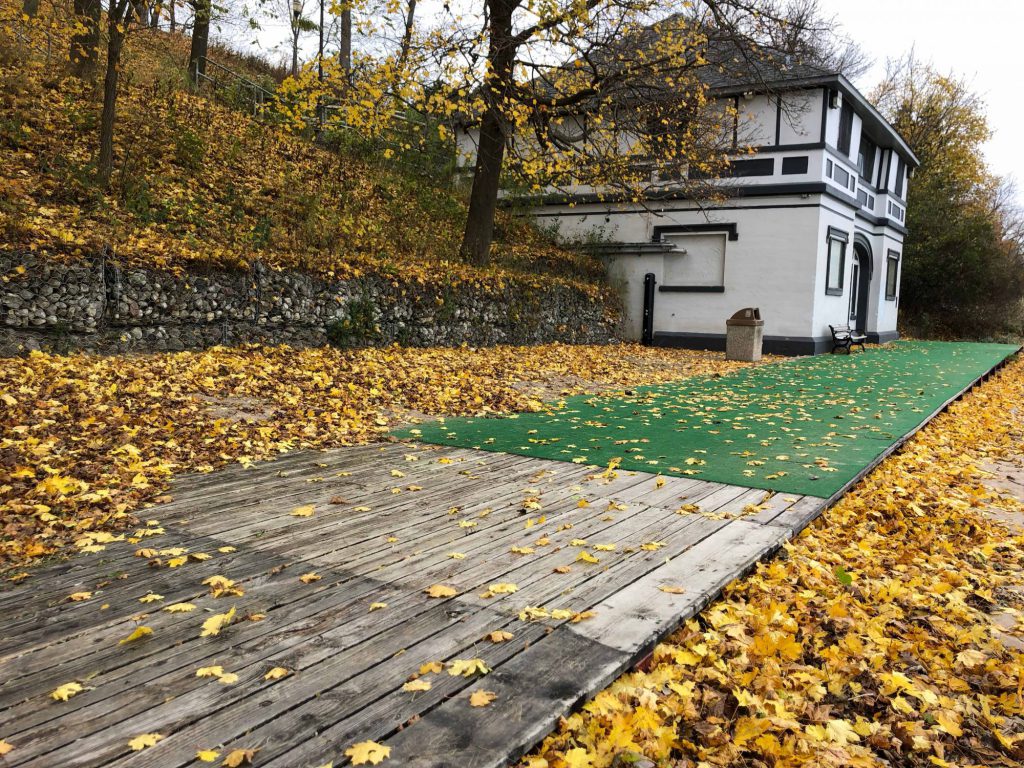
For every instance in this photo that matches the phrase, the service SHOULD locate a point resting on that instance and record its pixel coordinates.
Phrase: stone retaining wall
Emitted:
(99, 306)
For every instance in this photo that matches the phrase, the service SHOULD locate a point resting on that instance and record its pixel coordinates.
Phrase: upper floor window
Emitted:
(866, 159)
(901, 169)
(845, 128)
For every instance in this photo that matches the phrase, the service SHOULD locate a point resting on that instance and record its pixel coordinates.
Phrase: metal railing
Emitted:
(261, 96)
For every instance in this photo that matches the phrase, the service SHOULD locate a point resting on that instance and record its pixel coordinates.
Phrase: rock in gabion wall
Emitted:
(96, 305)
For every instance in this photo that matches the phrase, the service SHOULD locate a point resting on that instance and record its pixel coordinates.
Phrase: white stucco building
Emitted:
(811, 232)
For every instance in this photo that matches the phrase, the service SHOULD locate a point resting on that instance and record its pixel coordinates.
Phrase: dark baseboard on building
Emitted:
(791, 346)
(874, 337)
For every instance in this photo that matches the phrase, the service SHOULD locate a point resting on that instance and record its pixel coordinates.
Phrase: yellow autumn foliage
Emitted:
(198, 183)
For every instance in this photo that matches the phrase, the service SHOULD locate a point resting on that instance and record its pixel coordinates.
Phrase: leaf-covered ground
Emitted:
(87, 439)
(197, 182)
(869, 641)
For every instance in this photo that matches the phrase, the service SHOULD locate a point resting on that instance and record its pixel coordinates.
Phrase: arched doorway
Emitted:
(860, 284)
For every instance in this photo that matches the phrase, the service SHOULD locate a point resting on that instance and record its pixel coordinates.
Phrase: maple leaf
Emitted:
(304, 511)
(215, 671)
(378, 606)
(440, 590)
(533, 613)
(179, 608)
(77, 597)
(238, 757)
(221, 586)
(228, 678)
(467, 667)
(309, 578)
(431, 667)
(367, 753)
(151, 598)
(482, 698)
(143, 741)
(499, 636)
(217, 622)
(137, 634)
(672, 589)
(276, 673)
(207, 755)
(5, 747)
(416, 685)
(66, 691)
(586, 557)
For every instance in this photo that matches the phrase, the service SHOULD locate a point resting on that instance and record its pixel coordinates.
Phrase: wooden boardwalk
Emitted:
(388, 522)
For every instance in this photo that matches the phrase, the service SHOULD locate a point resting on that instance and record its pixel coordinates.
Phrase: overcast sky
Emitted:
(979, 40)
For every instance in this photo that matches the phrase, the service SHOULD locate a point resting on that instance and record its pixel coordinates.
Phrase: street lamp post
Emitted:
(296, 14)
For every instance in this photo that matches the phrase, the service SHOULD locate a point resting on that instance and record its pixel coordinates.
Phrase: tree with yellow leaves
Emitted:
(611, 96)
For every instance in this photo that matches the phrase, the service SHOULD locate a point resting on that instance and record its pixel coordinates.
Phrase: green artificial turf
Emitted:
(802, 426)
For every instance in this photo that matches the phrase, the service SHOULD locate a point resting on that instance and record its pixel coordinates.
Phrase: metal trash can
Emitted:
(744, 332)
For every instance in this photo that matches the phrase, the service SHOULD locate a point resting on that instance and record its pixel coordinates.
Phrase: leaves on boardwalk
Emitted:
(88, 439)
(66, 691)
(143, 741)
(367, 753)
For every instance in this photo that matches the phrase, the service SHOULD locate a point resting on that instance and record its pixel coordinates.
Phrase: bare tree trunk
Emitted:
(117, 22)
(30, 8)
(295, 51)
(141, 9)
(410, 18)
(345, 45)
(200, 40)
(86, 42)
(490, 153)
(171, 17)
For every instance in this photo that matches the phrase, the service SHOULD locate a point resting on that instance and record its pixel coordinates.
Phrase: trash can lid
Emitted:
(746, 316)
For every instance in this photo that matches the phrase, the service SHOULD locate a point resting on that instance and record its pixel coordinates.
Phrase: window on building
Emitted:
(892, 275)
(836, 267)
(901, 168)
(845, 128)
(866, 159)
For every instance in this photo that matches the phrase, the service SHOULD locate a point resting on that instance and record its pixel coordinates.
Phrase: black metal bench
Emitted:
(844, 337)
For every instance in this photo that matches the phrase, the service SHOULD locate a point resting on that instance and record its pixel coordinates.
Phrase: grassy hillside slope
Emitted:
(197, 181)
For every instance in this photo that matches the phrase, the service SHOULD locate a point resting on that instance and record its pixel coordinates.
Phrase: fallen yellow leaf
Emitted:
(145, 740)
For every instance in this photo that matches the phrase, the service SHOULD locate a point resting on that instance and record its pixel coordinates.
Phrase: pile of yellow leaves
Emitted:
(868, 641)
(86, 439)
(199, 183)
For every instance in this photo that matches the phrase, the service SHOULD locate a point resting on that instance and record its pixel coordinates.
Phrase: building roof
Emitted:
(733, 69)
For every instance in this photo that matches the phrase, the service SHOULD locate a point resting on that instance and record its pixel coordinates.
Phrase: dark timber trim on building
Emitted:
(675, 229)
